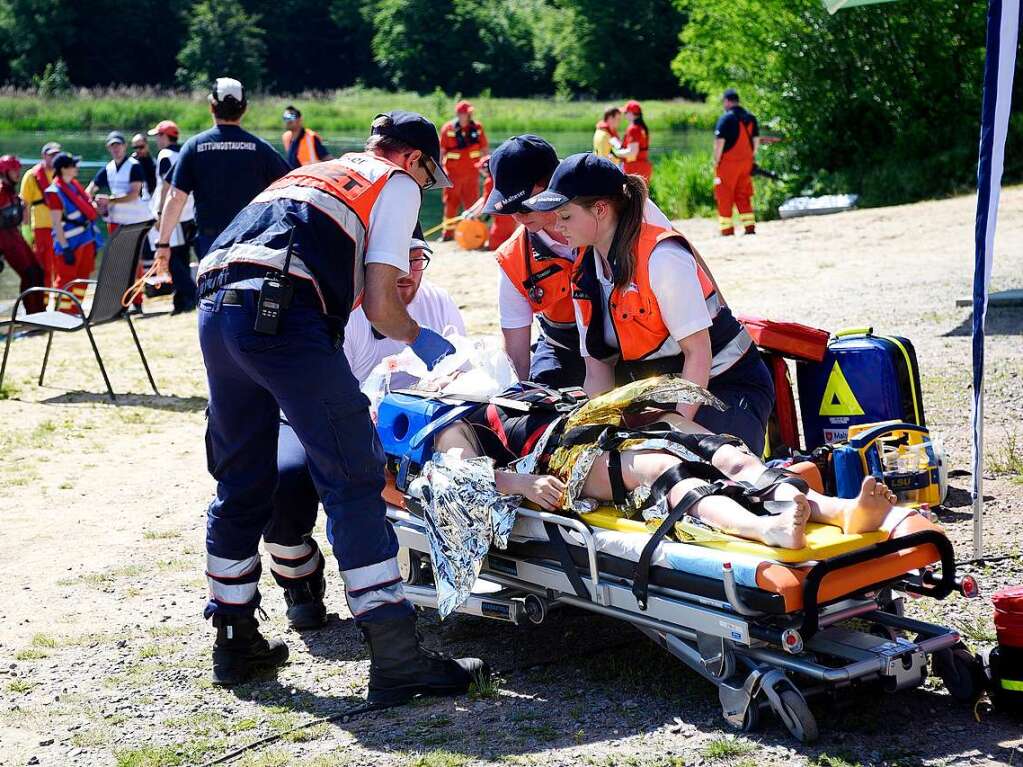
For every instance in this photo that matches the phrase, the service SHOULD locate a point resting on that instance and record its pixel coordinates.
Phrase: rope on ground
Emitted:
(356, 711)
(985, 560)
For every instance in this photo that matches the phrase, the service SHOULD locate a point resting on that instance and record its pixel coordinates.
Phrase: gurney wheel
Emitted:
(751, 721)
(801, 722)
(960, 672)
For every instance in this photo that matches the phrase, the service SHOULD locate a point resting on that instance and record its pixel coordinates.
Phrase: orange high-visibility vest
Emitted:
(636, 316)
(545, 280)
(306, 148)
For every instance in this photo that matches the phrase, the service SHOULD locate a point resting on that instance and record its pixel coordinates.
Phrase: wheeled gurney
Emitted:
(769, 627)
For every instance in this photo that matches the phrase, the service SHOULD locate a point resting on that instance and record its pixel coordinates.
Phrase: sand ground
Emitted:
(103, 652)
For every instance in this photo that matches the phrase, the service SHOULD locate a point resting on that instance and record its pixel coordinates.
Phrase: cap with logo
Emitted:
(65, 160)
(164, 128)
(419, 133)
(518, 165)
(50, 147)
(581, 175)
(115, 137)
(227, 88)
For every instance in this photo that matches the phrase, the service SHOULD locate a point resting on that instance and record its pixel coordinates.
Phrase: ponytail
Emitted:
(629, 207)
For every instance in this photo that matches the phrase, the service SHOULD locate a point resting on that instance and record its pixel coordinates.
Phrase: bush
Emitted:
(55, 80)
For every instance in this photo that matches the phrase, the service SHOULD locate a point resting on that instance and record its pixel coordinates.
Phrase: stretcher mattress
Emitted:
(757, 567)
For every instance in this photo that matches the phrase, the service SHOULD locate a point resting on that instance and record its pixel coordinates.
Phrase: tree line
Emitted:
(504, 47)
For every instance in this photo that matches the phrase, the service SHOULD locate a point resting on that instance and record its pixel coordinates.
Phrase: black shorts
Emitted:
(507, 435)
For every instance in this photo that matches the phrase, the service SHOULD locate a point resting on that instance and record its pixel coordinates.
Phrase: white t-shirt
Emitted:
(392, 221)
(514, 307)
(676, 286)
(432, 308)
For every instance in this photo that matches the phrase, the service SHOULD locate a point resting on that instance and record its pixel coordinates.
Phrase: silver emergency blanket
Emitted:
(464, 516)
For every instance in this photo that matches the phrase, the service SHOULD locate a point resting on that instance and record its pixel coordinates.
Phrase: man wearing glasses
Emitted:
(341, 230)
(295, 559)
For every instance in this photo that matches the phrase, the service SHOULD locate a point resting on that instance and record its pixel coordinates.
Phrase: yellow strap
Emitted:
(1016, 685)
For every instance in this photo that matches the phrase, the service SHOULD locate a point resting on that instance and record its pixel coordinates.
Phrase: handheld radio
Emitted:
(275, 295)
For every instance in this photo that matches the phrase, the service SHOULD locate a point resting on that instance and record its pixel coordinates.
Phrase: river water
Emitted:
(27, 144)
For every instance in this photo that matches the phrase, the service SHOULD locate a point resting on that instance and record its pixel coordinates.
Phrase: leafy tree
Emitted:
(607, 51)
(868, 87)
(54, 81)
(33, 33)
(223, 40)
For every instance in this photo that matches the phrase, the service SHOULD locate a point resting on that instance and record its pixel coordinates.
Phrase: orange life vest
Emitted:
(636, 317)
(307, 146)
(545, 280)
(345, 190)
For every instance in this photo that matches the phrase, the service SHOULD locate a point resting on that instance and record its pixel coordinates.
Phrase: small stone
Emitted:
(47, 742)
(33, 760)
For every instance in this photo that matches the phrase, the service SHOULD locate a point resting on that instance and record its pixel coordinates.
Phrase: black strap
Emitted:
(705, 445)
(561, 549)
(614, 474)
(641, 577)
(663, 484)
(771, 479)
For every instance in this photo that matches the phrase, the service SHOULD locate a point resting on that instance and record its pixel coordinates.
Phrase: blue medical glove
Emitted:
(431, 347)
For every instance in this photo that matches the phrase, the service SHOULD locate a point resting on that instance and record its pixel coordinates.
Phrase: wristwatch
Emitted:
(162, 245)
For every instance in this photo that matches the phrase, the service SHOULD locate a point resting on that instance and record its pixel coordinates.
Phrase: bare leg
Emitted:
(862, 514)
(785, 530)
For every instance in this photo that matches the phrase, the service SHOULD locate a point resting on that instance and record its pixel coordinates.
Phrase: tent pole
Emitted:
(978, 482)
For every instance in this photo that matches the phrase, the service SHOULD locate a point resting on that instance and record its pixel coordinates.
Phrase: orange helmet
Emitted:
(9, 162)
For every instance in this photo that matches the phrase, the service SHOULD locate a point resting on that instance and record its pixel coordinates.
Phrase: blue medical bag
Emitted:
(407, 424)
(863, 378)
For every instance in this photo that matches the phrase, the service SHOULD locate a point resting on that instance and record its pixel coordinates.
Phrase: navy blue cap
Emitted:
(519, 164)
(581, 175)
(419, 133)
(731, 94)
(65, 160)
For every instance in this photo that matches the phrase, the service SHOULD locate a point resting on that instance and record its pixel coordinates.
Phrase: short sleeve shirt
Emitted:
(727, 126)
(33, 197)
(224, 168)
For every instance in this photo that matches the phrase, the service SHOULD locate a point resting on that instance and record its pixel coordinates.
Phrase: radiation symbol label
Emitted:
(838, 396)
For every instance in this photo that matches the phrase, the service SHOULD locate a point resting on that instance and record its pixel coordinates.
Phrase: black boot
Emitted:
(240, 650)
(402, 668)
(305, 604)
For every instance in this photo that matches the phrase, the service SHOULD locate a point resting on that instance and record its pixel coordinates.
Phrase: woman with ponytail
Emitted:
(636, 143)
(644, 303)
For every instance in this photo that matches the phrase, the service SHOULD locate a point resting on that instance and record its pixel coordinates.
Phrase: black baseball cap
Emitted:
(65, 160)
(519, 164)
(731, 94)
(581, 175)
(419, 133)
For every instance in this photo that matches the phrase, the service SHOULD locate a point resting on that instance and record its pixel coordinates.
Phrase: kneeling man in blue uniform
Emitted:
(276, 290)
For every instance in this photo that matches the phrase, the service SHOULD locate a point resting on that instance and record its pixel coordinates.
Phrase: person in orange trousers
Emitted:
(636, 143)
(33, 192)
(736, 140)
(501, 227)
(462, 144)
(74, 228)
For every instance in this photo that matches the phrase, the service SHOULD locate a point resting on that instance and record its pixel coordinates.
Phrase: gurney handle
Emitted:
(732, 592)
(587, 536)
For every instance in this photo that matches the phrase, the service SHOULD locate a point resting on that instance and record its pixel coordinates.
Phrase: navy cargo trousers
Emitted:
(302, 371)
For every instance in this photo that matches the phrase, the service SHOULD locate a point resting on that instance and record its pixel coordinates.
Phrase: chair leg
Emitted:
(7, 349)
(99, 361)
(138, 346)
(46, 357)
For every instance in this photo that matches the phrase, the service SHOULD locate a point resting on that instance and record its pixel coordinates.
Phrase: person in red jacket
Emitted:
(736, 140)
(463, 143)
(13, 248)
(636, 143)
(74, 228)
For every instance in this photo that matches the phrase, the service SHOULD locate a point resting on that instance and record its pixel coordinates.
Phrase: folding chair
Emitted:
(116, 275)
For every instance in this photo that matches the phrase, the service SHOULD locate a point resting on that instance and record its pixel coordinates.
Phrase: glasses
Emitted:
(419, 263)
(138, 146)
(430, 167)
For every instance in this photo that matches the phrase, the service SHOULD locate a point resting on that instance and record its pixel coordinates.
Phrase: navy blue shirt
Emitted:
(318, 147)
(728, 126)
(224, 168)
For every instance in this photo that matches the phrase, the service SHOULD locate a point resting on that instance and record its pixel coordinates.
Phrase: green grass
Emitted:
(31, 653)
(439, 758)
(1007, 458)
(43, 640)
(167, 755)
(20, 686)
(726, 748)
(160, 535)
(346, 111)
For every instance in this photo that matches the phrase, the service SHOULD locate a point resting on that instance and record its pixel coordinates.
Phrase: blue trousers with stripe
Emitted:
(303, 372)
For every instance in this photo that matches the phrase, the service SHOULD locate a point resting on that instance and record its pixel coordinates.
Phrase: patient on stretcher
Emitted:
(711, 478)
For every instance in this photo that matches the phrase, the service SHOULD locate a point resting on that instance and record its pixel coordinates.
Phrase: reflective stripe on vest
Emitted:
(545, 280)
(119, 181)
(344, 190)
(636, 317)
(306, 153)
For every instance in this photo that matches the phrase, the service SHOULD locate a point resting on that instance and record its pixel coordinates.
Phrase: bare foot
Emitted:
(867, 511)
(787, 530)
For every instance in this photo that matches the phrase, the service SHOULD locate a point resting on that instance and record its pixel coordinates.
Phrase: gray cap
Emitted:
(51, 147)
(115, 137)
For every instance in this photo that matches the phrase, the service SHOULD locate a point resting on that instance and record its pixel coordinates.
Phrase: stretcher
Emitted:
(769, 627)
